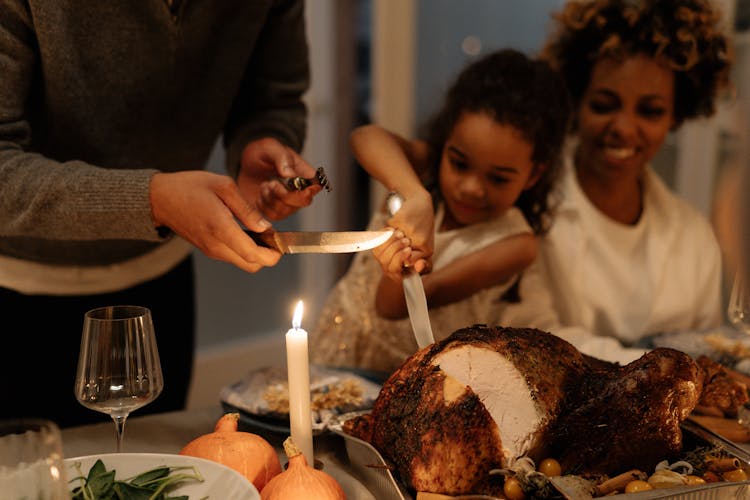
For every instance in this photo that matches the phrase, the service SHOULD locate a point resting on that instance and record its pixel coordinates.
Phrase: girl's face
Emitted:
(484, 167)
(625, 114)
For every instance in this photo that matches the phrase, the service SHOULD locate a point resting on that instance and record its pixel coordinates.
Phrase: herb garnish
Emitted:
(100, 484)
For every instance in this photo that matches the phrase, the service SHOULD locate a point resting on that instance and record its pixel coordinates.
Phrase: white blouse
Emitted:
(630, 281)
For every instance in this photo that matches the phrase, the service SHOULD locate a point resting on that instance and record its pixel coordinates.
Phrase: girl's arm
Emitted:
(390, 158)
(394, 162)
(462, 278)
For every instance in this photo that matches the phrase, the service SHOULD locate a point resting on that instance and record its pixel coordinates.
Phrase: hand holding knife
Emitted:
(416, 301)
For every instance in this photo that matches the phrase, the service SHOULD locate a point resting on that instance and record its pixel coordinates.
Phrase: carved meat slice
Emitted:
(469, 404)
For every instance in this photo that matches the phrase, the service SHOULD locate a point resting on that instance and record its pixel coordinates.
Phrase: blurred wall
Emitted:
(450, 34)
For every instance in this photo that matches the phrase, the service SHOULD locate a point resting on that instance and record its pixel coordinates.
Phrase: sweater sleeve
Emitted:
(44, 198)
(269, 102)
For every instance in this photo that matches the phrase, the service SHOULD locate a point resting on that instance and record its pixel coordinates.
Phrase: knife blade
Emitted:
(416, 304)
(289, 242)
(416, 301)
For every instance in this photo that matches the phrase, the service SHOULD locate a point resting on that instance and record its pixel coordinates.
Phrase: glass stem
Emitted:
(119, 430)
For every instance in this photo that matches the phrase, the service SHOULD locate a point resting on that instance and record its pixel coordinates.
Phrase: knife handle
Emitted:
(265, 239)
(301, 183)
(393, 203)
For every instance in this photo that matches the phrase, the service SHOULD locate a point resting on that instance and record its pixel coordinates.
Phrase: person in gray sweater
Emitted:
(108, 114)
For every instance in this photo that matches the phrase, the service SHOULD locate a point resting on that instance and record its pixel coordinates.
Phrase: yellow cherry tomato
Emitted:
(735, 475)
(512, 489)
(550, 467)
(636, 486)
(693, 480)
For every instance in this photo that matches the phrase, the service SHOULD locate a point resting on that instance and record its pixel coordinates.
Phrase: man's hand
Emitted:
(263, 160)
(202, 207)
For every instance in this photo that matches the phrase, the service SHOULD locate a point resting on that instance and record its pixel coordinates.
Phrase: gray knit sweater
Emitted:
(96, 96)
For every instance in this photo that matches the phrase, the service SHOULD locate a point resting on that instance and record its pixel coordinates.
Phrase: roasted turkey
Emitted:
(486, 396)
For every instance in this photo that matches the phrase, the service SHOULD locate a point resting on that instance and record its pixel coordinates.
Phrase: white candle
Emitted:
(298, 376)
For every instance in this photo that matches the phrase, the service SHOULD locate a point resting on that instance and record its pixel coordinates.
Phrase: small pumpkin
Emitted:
(247, 453)
(300, 480)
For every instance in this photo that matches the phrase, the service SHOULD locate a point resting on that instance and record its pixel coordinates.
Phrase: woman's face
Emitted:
(484, 167)
(625, 114)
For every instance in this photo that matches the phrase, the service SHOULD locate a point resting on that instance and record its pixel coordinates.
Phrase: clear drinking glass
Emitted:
(31, 460)
(738, 312)
(738, 309)
(118, 366)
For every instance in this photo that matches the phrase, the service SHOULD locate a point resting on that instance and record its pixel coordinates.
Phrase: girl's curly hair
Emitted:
(682, 34)
(513, 90)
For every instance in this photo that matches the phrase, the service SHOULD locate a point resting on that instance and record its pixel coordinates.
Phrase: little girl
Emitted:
(475, 197)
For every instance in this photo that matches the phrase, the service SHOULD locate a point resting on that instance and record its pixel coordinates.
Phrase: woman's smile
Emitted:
(625, 114)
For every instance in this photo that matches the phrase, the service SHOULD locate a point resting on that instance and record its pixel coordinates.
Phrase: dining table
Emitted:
(169, 432)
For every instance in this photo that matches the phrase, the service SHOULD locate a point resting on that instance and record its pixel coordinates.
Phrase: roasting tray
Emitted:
(369, 466)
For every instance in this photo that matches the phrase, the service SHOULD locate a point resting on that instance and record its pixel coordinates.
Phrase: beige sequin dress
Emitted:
(349, 333)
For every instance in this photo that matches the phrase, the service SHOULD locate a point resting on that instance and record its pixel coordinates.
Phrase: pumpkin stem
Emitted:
(227, 423)
(291, 449)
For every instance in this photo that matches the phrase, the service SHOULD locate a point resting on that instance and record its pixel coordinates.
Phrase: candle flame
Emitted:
(297, 318)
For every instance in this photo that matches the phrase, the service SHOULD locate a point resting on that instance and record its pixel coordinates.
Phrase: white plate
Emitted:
(221, 482)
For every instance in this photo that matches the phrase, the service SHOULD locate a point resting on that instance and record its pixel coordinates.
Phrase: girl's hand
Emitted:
(416, 219)
(393, 255)
(261, 161)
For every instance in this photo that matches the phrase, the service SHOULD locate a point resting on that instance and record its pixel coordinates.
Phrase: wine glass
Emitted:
(738, 309)
(31, 460)
(738, 312)
(118, 366)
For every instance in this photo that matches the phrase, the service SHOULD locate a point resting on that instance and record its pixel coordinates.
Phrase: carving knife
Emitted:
(416, 301)
(320, 241)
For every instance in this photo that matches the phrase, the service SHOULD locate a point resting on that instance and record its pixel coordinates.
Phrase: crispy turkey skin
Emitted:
(485, 396)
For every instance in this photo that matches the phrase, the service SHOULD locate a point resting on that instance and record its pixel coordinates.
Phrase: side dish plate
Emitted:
(261, 397)
(219, 480)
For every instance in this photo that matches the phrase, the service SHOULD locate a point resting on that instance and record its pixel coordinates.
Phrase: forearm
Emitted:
(42, 198)
(490, 266)
(388, 159)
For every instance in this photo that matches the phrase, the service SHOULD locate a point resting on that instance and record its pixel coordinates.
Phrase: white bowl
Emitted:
(220, 481)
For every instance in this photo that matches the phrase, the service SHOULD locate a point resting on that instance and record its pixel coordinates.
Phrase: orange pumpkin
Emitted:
(247, 453)
(300, 480)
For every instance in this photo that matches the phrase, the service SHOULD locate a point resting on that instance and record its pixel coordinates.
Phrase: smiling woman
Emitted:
(627, 258)
(623, 118)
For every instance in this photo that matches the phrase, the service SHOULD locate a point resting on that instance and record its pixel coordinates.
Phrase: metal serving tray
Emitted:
(372, 470)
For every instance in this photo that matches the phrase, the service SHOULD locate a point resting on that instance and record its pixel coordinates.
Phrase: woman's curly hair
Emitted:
(684, 35)
(513, 90)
